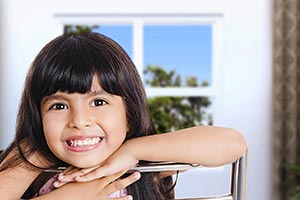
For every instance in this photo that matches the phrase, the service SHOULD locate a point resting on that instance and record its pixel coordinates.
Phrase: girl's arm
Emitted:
(93, 190)
(204, 145)
(15, 181)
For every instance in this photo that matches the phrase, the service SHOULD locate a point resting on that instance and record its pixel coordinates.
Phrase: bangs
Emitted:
(70, 67)
(70, 62)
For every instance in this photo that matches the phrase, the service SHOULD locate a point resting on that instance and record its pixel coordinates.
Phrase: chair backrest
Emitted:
(238, 182)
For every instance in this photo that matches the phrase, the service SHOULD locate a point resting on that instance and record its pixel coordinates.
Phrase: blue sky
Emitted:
(121, 34)
(185, 48)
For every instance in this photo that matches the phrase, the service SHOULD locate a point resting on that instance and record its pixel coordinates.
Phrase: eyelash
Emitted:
(96, 103)
(102, 102)
(54, 106)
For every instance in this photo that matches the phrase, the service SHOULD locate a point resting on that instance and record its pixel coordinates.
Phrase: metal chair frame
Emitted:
(238, 176)
(238, 182)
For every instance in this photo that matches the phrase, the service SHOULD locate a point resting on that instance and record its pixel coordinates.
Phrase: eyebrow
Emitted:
(52, 97)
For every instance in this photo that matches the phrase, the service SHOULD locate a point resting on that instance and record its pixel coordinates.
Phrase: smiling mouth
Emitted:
(84, 142)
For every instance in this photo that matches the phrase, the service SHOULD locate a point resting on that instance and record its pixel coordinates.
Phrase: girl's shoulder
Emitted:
(15, 177)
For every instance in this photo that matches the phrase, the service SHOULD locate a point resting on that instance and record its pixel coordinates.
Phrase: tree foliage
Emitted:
(295, 170)
(172, 113)
(79, 29)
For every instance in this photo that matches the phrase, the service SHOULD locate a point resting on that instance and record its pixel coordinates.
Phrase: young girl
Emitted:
(84, 106)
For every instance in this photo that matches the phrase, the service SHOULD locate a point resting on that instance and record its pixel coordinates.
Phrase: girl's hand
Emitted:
(96, 189)
(119, 161)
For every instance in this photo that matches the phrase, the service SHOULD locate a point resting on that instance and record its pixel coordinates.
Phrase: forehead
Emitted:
(95, 86)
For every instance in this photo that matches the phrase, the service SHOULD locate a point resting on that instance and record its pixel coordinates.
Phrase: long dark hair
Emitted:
(68, 63)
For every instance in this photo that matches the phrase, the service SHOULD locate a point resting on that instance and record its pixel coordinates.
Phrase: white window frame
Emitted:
(137, 21)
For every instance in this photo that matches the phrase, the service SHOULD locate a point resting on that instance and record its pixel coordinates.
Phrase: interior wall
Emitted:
(246, 72)
(2, 142)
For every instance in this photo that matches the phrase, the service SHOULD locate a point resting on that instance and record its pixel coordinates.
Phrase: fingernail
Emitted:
(130, 198)
(56, 184)
(77, 178)
(137, 175)
(61, 176)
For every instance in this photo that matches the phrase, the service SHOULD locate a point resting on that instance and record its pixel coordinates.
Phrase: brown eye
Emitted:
(58, 106)
(99, 102)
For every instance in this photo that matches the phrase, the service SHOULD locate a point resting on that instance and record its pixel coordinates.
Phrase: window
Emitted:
(186, 49)
(176, 58)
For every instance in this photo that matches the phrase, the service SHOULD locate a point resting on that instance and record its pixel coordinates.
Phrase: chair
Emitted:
(238, 182)
(238, 176)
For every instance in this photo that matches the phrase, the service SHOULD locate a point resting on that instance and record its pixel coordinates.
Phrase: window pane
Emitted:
(173, 113)
(122, 34)
(184, 49)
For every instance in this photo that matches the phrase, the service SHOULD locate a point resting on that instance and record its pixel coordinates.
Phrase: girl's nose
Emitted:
(80, 119)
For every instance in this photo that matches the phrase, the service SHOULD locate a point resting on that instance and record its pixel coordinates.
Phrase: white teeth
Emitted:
(87, 141)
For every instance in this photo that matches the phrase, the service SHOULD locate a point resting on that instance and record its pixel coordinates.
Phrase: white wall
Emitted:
(1, 71)
(245, 100)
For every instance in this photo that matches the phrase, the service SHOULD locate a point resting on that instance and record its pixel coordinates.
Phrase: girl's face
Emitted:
(84, 129)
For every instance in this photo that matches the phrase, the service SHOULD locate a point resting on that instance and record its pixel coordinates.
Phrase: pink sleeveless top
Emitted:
(48, 187)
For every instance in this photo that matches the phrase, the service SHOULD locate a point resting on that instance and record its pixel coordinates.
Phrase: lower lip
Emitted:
(83, 148)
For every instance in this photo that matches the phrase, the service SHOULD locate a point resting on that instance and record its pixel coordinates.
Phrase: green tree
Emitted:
(78, 29)
(295, 170)
(172, 113)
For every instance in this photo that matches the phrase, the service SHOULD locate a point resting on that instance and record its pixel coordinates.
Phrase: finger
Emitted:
(123, 183)
(96, 173)
(105, 170)
(62, 180)
(109, 179)
(58, 183)
(128, 197)
(69, 170)
(71, 174)
(66, 175)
